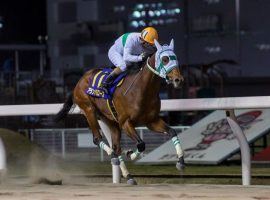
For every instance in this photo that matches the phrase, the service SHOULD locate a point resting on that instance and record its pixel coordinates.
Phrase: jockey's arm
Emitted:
(128, 57)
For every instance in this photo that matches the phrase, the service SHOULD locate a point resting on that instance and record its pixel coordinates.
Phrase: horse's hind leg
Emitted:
(90, 115)
(116, 137)
(161, 127)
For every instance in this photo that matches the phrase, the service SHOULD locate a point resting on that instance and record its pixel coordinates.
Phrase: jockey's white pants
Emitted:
(117, 59)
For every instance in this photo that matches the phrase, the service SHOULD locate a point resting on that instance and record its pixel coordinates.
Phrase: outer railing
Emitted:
(226, 104)
(59, 141)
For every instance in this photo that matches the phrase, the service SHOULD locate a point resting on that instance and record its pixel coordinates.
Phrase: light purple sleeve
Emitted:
(128, 57)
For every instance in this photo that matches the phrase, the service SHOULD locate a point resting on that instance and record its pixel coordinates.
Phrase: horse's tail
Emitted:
(66, 108)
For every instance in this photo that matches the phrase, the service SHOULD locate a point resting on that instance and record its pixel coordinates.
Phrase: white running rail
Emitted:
(228, 104)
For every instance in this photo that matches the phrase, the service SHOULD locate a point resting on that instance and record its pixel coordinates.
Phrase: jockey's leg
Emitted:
(113, 75)
(118, 61)
(132, 133)
(160, 126)
(109, 80)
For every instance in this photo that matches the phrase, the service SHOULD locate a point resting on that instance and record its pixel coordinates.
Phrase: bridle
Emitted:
(162, 70)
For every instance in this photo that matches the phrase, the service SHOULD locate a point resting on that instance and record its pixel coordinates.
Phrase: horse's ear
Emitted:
(172, 44)
(157, 44)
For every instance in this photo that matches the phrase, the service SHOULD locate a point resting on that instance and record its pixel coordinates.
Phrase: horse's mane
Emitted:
(132, 69)
(135, 68)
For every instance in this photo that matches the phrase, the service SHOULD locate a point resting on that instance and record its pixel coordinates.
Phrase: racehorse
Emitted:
(136, 103)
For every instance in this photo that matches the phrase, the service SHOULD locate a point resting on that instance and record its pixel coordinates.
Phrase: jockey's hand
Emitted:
(144, 56)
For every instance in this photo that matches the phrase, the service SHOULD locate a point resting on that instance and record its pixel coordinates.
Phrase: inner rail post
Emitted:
(244, 147)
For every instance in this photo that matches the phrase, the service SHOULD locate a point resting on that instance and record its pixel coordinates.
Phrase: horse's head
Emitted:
(166, 64)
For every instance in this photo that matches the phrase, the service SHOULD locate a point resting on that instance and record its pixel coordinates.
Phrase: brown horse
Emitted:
(136, 103)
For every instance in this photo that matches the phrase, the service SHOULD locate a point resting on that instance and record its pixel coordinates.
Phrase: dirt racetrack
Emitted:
(28, 163)
(84, 189)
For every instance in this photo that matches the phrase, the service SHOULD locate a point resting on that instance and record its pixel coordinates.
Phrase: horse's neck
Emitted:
(150, 83)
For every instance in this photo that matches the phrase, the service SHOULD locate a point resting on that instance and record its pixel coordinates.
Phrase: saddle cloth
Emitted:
(95, 90)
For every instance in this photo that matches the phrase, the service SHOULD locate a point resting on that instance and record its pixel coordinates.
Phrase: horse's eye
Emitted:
(165, 60)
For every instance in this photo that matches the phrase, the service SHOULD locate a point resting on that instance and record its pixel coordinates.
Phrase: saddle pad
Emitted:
(95, 90)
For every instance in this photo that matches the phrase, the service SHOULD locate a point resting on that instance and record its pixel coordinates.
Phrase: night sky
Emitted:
(23, 20)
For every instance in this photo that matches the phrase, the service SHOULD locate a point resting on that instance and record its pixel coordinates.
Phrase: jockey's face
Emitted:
(147, 45)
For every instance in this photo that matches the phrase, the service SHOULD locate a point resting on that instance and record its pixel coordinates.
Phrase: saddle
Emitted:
(95, 90)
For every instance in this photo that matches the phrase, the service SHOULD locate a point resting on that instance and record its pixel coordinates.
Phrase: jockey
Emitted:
(130, 48)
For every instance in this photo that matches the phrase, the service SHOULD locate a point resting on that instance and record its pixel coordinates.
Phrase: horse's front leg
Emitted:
(116, 137)
(161, 127)
(132, 133)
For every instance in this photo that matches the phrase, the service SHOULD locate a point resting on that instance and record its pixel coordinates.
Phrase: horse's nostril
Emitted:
(177, 80)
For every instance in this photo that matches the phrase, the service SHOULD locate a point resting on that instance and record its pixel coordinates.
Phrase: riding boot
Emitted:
(109, 80)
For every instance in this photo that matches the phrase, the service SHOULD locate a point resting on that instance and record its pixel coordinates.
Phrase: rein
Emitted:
(151, 68)
(130, 86)
(137, 75)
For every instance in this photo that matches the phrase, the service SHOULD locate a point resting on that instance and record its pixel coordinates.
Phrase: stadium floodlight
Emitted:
(151, 13)
(161, 21)
(134, 24)
(157, 13)
(143, 13)
(177, 10)
(136, 14)
(139, 6)
(119, 8)
(142, 23)
(122, 8)
(170, 20)
(153, 5)
(163, 12)
(155, 22)
(1, 22)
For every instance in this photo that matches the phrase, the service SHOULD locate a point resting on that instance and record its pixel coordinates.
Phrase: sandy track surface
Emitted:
(87, 190)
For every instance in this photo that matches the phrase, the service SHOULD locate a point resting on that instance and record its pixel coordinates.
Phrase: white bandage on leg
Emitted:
(123, 167)
(177, 146)
(106, 148)
(135, 155)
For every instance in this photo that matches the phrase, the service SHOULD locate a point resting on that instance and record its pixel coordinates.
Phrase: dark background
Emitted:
(205, 31)
(23, 21)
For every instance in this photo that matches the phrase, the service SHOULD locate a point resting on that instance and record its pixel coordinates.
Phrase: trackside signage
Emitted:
(211, 140)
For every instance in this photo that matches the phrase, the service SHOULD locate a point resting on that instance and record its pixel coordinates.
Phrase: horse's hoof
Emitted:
(180, 165)
(141, 146)
(131, 182)
(128, 154)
